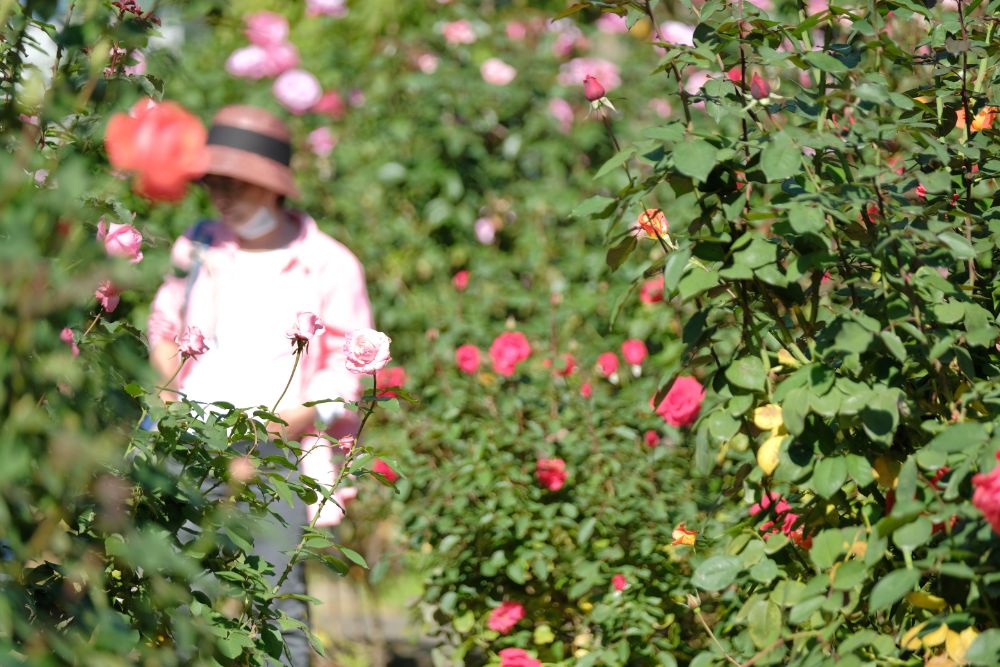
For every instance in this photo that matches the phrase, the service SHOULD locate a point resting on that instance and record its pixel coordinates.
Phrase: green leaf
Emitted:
(716, 573)
(825, 62)
(913, 535)
(592, 206)
(697, 281)
(891, 588)
(673, 269)
(695, 158)
(616, 160)
(586, 530)
(829, 475)
(464, 622)
(764, 622)
(806, 219)
(894, 344)
(881, 416)
(781, 158)
(134, 390)
(852, 338)
(543, 635)
(620, 252)
(353, 556)
(747, 373)
(827, 547)
(985, 650)
(960, 248)
(849, 574)
(959, 437)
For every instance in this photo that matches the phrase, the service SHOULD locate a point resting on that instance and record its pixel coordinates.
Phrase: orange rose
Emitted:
(162, 143)
(653, 222)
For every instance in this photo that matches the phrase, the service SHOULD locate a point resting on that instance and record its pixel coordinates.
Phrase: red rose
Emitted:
(383, 469)
(551, 473)
(607, 363)
(460, 280)
(508, 350)
(467, 359)
(515, 657)
(162, 143)
(651, 438)
(682, 403)
(634, 351)
(619, 582)
(986, 496)
(586, 390)
(759, 87)
(651, 291)
(387, 378)
(505, 617)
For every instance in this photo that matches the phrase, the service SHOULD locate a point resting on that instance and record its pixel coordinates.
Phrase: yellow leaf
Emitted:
(786, 359)
(768, 417)
(926, 601)
(886, 470)
(936, 637)
(768, 456)
(957, 643)
(912, 642)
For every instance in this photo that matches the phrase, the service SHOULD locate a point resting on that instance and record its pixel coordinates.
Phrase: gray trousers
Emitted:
(274, 542)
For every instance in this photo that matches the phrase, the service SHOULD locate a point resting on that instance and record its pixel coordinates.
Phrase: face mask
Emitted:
(260, 224)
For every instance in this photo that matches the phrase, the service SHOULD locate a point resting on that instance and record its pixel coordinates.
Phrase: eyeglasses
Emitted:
(223, 185)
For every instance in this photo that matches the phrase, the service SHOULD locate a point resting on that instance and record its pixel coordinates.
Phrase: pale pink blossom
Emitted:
(496, 72)
(765, 5)
(516, 30)
(108, 295)
(249, 62)
(356, 98)
(337, 8)
(281, 58)
(562, 111)
(569, 37)
(675, 32)
(660, 107)
(242, 469)
(367, 351)
(297, 90)
(612, 23)
(305, 327)
(331, 103)
(576, 70)
(266, 28)
(66, 336)
(191, 343)
(347, 443)
(427, 62)
(485, 231)
(120, 240)
(458, 32)
(322, 141)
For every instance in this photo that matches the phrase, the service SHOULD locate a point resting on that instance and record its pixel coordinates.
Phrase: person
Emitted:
(242, 280)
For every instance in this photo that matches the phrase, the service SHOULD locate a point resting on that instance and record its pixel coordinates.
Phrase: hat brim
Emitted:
(252, 168)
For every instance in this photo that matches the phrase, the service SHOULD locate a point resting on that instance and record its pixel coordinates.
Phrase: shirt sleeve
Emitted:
(165, 313)
(345, 308)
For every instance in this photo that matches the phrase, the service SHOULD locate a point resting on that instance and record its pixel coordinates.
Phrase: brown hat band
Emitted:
(252, 142)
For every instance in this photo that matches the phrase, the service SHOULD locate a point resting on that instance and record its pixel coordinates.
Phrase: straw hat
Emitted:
(252, 145)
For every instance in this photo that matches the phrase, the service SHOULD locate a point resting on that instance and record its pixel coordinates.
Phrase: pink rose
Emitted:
(66, 336)
(331, 103)
(242, 469)
(551, 473)
(367, 351)
(618, 582)
(675, 32)
(516, 30)
(458, 32)
(266, 29)
(297, 90)
(305, 327)
(496, 72)
(515, 657)
(191, 343)
(592, 88)
(387, 378)
(651, 438)
(120, 240)
(281, 58)
(460, 280)
(586, 390)
(346, 443)
(562, 111)
(682, 403)
(485, 230)
(569, 365)
(651, 291)
(607, 363)
(108, 295)
(759, 87)
(249, 62)
(321, 141)
(634, 351)
(508, 350)
(612, 23)
(505, 617)
(336, 8)
(986, 496)
(661, 107)
(383, 468)
(427, 63)
(467, 359)
(576, 70)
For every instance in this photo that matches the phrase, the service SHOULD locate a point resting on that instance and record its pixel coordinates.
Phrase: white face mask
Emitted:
(260, 224)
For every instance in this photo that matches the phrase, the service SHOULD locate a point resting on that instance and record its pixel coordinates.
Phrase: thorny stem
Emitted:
(968, 132)
(298, 355)
(701, 619)
(94, 322)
